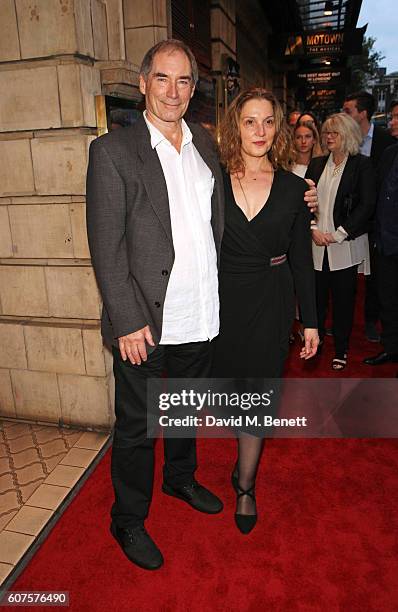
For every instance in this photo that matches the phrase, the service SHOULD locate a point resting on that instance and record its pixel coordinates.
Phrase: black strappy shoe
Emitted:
(245, 522)
(339, 362)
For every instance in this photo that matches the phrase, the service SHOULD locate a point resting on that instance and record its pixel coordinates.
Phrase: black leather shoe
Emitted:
(138, 546)
(196, 496)
(381, 358)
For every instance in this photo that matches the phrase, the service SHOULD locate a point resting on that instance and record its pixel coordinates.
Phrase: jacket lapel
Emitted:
(347, 180)
(153, 177)
(155, 183)
(317, 166)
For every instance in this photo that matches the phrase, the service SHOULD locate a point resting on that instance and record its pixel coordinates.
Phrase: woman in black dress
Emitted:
(266, 257)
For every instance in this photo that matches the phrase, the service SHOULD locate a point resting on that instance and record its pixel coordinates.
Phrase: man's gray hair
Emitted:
(171, 44)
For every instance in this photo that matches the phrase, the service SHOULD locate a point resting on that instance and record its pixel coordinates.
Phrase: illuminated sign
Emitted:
(315, 43)
(322, 93)
(325, 42)
(322, 77)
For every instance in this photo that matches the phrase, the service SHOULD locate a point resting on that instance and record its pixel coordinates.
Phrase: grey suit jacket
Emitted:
(129, 227)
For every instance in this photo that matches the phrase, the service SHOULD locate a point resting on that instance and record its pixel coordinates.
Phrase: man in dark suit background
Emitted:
(361, 107)
(155, 222)
(387, 253)
(393, 124)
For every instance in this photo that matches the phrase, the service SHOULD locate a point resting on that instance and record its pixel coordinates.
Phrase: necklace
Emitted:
(249, 218)
(244, 195)
(338, 169)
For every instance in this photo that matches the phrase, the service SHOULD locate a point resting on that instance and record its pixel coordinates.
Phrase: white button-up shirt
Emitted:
(191, 308)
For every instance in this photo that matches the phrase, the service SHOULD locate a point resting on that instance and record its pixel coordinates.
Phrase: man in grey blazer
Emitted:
(155, 222)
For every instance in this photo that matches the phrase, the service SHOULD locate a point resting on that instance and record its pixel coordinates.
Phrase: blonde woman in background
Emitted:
(307, 145)
(347, 198)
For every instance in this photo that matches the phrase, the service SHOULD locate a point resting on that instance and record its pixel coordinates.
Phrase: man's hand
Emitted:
(311, 342)
(319, 238)
(133, 347)
(311, 196)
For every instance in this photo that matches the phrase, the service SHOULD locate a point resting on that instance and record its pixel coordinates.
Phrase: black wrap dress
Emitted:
(257, 296)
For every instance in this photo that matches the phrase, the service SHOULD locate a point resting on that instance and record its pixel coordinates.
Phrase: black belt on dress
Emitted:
(277, 261)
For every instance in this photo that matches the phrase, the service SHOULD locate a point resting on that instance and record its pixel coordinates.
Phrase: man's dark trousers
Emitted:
(133, 453)
(380, 141)
(372, 302)
(388, 295)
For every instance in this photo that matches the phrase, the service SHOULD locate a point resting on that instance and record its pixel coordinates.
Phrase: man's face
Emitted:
(350, 107)
(168, 87)
(393, 125)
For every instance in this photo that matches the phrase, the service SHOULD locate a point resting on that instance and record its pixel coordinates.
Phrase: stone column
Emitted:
(53, 367)
(145, 24)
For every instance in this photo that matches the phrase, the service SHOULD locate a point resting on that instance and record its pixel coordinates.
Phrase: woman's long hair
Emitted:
(281, 154)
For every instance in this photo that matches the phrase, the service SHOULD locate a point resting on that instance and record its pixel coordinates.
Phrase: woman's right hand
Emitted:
(311, 343)
(319, 238)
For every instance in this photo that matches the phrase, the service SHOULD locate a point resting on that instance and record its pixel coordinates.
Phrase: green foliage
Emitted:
(364, 67)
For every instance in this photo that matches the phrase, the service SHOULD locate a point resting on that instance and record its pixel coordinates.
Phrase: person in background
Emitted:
(387, 254)
(306, 142)
(393, 123)
(309, 117)
(361, 106)
(307, 145)
(293, 116)
(347, 196)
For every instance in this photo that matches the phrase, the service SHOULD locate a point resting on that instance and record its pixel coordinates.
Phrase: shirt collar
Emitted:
(370, 132)
(157, 137)
(330, 161)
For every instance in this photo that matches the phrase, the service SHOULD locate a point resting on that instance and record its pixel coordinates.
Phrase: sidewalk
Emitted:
(41, 468)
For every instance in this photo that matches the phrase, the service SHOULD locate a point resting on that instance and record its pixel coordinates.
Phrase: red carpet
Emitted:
(326, 537)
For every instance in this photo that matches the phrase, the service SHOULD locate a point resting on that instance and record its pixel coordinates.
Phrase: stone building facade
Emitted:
(58, 61)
